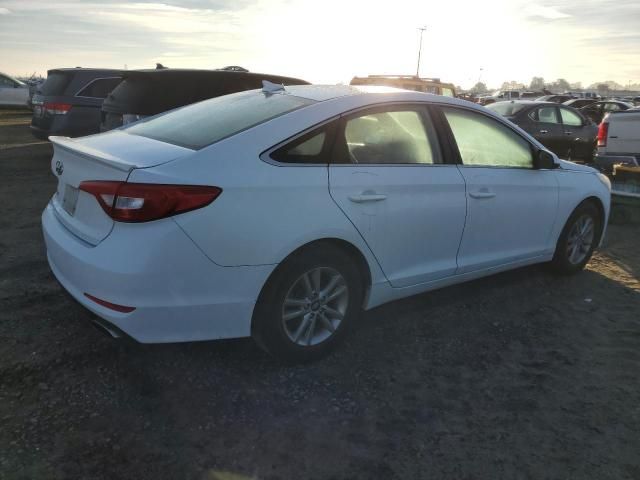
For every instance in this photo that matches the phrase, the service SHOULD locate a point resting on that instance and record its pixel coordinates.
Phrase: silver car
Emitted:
(13, 92)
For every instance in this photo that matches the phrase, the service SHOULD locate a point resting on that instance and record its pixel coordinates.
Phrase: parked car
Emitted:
(563, 130)
(597, 110)
(619, 140)
(554, 98)
(69, 101)
(579, 102)
(13, 92)
(143, 93)
(282, 213)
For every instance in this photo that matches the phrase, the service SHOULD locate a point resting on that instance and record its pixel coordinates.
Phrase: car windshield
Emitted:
(506, 109)
(201, 124)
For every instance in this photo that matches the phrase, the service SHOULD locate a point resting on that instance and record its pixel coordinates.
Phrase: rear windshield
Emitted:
(56, 83)
(506, 109)
(201, 124)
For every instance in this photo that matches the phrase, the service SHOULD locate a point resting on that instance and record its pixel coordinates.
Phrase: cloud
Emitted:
(546, 13)
(4, 11)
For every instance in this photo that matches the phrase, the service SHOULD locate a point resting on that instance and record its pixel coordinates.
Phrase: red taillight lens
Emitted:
(143, 202)
(603, 133)
(56, 108)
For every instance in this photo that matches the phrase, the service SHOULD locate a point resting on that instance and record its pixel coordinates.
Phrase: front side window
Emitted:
(570, 118)
(200, 124)
(391, 137)
(483, 141)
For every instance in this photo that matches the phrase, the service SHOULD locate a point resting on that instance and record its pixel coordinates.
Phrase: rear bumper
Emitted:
(178, 293)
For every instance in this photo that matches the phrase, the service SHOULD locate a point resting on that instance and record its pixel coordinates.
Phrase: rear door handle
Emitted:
(568, 133)
(367, 197)
(544, 131)
(482, 194)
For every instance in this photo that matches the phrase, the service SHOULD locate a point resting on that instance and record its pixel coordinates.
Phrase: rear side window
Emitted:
(485, 142)
(201, 124)
(311, 148)
(545, 115)
(391, 137)
(99, 88)
(56, 83)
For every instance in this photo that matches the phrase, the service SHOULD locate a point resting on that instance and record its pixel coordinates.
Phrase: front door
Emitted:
(391, 179)
(511, 206)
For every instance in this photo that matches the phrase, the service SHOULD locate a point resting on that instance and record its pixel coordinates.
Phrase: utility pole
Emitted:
(422, 29)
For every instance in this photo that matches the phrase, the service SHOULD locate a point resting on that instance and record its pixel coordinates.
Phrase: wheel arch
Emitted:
(361, 262)
(597, 202)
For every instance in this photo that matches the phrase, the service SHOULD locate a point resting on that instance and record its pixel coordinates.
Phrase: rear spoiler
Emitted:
(92, 154)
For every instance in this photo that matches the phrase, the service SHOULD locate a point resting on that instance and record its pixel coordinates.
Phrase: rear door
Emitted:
(511, 206)
(391, 178)
(580, 134)
(546, 128)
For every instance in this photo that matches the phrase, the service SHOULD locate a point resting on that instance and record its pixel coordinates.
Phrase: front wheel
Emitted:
(308, 305)
(578, 239)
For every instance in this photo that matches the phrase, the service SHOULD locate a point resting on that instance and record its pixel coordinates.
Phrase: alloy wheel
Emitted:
(315, 306)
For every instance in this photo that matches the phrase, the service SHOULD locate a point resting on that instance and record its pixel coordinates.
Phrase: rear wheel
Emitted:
(578, 240)
(308, 305)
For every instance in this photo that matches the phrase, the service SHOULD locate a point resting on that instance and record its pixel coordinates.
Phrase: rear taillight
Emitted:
(143, 202)
(603, 132)
(53, 108)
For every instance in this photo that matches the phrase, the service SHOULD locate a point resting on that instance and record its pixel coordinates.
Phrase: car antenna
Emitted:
(269, 88)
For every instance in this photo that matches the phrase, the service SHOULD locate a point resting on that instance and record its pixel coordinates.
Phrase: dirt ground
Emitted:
(523, 375)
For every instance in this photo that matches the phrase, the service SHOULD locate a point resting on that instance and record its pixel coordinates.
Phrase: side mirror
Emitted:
(543, 160)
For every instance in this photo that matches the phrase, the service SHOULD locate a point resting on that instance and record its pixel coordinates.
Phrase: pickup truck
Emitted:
(619, 140)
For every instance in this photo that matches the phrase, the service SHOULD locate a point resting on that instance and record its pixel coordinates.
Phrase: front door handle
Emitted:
(482, 194)
(568, 133)
(367, 197)
(544, 131)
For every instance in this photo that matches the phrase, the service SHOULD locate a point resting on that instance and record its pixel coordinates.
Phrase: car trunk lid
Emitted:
(111, 156)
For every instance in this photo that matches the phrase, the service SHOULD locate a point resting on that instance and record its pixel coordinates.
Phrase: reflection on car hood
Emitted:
(576, 167)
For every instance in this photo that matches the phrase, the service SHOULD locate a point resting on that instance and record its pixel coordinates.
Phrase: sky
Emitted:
(330, 41)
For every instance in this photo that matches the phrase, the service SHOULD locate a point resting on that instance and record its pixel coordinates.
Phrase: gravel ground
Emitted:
(523, 375)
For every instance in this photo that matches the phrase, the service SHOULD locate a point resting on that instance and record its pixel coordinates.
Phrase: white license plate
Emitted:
(70, 199)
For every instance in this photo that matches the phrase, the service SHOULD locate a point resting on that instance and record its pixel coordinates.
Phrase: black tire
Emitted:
(562, 262)
(268, 327)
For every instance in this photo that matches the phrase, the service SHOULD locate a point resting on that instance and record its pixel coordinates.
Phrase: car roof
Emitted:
(193, 73)
(321, 93)
(81, 69)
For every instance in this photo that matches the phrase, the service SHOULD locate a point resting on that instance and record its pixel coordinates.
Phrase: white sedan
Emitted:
(282, 214)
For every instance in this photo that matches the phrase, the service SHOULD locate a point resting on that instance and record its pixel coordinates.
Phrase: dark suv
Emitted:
(68, 103)
(143, 93)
